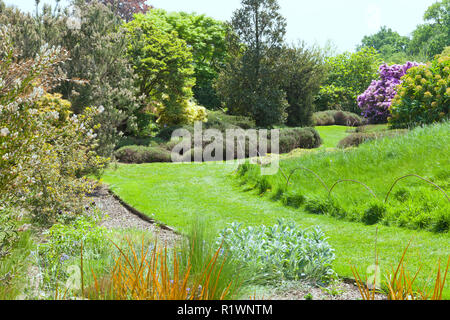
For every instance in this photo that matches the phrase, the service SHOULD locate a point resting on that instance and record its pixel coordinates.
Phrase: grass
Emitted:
(358, 176)
(331, 135)
(175, 193)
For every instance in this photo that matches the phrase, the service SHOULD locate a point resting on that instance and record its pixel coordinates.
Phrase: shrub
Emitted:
(376, 100)
(349, 74)
(374, 213)
(282, 251)
(424, 95)
(355, 139)
(303, 72)
(46, 150)
(335, 117)
(291, 199)
(295, 138)
(141, 154)
(63, 246)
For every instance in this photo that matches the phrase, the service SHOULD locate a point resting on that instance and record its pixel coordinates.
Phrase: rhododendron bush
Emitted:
(377, 99)
(45, 150)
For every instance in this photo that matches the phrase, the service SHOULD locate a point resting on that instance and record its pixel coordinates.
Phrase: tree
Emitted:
(303, 72)
(97, 46)
(163, 63)
(387, 42)
(349, 75)
(432, 37)
(251, 83)
(207, 39)
(126, 8)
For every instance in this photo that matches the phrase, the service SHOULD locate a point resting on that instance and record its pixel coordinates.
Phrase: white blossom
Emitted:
(4, 132)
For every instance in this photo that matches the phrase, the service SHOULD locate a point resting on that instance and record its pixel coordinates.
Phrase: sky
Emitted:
(344, 22)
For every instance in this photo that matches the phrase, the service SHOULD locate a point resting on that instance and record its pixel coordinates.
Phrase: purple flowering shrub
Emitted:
(376, 100)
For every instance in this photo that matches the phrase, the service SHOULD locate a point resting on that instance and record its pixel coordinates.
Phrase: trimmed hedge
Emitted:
(355, 139)
(336, 117)
(290, 139)
(142, 154)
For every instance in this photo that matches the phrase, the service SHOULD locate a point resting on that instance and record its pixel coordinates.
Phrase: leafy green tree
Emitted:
(92, 34)
(207, 39)
(303, 73)
(349, 75)
(251, 83)
(163, 63)
(432, 37)
(390, 44)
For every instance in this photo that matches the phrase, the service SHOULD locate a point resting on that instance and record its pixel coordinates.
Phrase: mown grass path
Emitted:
(174, 193)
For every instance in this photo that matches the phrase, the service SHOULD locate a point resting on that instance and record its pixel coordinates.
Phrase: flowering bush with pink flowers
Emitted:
(377, 99)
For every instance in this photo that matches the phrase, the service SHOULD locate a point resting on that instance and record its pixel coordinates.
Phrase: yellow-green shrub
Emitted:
(45, 149)
(180, 112)
(424, 95)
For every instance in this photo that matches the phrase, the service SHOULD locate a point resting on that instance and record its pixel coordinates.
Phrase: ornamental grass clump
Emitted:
(376, 100)
(158, 273)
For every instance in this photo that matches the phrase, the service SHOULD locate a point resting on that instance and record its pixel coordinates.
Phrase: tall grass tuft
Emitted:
(400, 283)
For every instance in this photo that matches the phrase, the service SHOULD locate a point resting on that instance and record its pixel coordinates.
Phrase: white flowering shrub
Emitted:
(45, 150)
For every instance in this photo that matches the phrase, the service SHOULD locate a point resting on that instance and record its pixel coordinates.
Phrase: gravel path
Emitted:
(117, 216)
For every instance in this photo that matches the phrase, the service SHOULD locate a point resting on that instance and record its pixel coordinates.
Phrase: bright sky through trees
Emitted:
(345, 22)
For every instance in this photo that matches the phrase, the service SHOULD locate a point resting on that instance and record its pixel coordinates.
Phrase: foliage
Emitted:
(400, 284)
(163, 64)
(433, 36)
(126, 8)
(251, 83)
(423, 206)
(391, 45)
(376, 101)
(424, 95)
(14, 267)
(63, 246)
(336, 117)
(97, 46)
(207, 38)
(355, 139)
(155, 273)
(282, 251)
(349, 74)
(295, 138)
(303, 72)
(141, 154)
(45, 149)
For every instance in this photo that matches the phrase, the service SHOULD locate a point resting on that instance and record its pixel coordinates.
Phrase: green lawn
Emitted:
(174, 193)
(331, 135)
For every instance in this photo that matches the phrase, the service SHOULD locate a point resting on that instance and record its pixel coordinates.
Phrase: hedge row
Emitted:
(290, 139)
(339, 118)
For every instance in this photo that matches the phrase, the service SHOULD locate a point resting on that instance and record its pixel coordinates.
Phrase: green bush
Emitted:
(142, 154)
(355, 139)
(335, 117)
(374, 213)
(298, 138)
(424, 95)
(294, 200)
(349, 74)
(280, 252)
